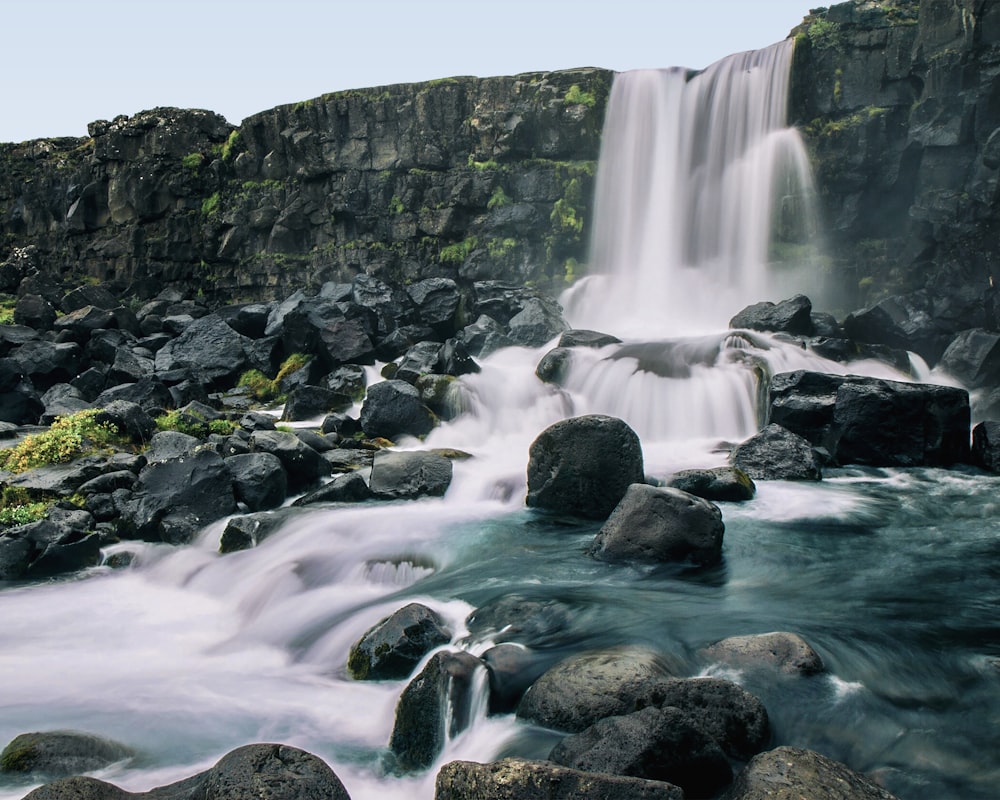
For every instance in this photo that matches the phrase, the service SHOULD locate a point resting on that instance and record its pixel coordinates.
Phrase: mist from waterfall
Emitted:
(703, 201)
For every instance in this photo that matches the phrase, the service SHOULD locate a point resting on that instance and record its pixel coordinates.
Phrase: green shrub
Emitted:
(499, 199)
(23, 513)
(229, 148)
(192, 161)
(210, 205)
(576, 96)
(265, 389)
(69, 437)
(458, 252)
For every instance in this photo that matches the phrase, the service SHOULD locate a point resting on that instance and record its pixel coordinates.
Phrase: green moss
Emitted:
(825, 35)
(499, 199)
(22, 514)
(69, 437)
(564, 217)
(501, 248)
(265, 389)
(396, 206)
(482, 166)
(231, 146)
(576, 96)
(192, 161)
(210, 206)
(458, 252)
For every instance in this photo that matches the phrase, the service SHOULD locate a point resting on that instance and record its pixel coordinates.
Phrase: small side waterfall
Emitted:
(700, 184)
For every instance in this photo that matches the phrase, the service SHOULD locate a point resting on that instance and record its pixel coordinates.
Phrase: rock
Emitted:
(304, 467)
(654, 743)
(35, 312)
(350, 487)
(62, 543)
(391, 649)
(421, 359)
(792, 316)
(435, 705)
(170, 445)
(175, 498)
(516, 618)
(60, 753)
(653, 524)
(512, 670)
(554, 366)
(393, 408)
(583, 466)
(150, 394)
(986, 445)
(579, 337)
(209, 347)
(786, 652)
(249, 530)
(348, 380)
(790, 773)
(62, 400)
(437, 301)
(721, 484)
(306, 402)
(83, 322)
(485, 336)
(61, 480)
(259, 480)
(262, 771)
(88, 295)
(409, 475)
(456, 359)
(320, 327)
(129, 419)
(538, 321)
(777, 454)
(47, 363)
(973, 357)
(579, 691)
(518, 779)
(735, 719)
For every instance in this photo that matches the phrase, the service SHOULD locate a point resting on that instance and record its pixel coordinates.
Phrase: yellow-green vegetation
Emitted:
(482, 166)
(500, 248)
(820, 128)
(266, 389)
(210, 205)
(7, 310)
(67, 438)
(396, 206)
(231, 145)
(458, 252)
(192, 161)
(23, 513)
(577, 96)
(499, 199)
(824, 34)
(570, 269)
(194, 424)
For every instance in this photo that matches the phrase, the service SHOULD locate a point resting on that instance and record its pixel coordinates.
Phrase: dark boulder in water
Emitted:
(973, 357)
(408, 475)
(787, 652)
(986, 445)
(579, 337)
(259, 480)
(60, 753)
(777, 454)
(393, 408)
(719, 484)
(653, 524)
(789, 316)
(583, 466)
(392, 648)
(518, 779)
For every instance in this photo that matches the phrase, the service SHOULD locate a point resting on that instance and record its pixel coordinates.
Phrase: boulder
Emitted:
(435, 705)
(47, 363)
(580, 690)
(35, 312)
(150, 394)
(437, 301)
(421, 359)
(392, 648)
(348, 380)
(61, 480)
(554, 366)
(973, 357)
(730, 715)
(791, 773)
(653, 524)
(516, 618)
(208, 346)
(84, 321)
(456, 359)
(722, 484)
(792, 316)
(786, 652)
(59, 753)
(61, 400)
(306, 402)
(249, 530)
(129, 419)
(174, 499)
(654, 743)
(986, 445)
(392, 409)
(261, 771)
(583, 466)
(777, 454)
(512, 670)
(484, 336)
(579, 337)
(259, 480)
(349, 487)
(304, 467)
(320, 326)
(62, 543)
(538, 321)
(408, 475)
(170, 445)
(519, 779)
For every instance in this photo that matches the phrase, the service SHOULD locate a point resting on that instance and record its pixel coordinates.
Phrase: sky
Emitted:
(66, 63)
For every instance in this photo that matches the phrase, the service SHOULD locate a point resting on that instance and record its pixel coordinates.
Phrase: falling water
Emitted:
(700, 182)
(188, 654)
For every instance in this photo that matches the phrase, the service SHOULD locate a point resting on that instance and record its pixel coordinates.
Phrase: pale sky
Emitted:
(68, 62)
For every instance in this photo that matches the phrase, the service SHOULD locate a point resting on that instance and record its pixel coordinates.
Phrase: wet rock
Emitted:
(518, 779)
(348, 380)
(538, 321)
(60, 753)
(655, 525)
(579, 337)
(61, 400)
(777, 454)
(789, 316)
(437, 301)
(654, 743)
(62, 543)
(304, 467)
(306, 402)
(169, 445)
(512, 670)
(58, 479)
(986, 445)
(720, 484)
(583, 466)
(259, 480)
(350, 487)
(973, 357)
(577, 692)
(485, 336)
(790, 773)
(249, 530)
(435, 704)
(516, 618)
(392, 648)
(47, 363)
(409, 475)
(554, 366)
(421, 359)
(150, 394)
(393, 408)
(787, 652)
(35, 312)
(129, 419)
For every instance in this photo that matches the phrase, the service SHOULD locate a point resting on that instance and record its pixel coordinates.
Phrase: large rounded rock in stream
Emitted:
(435, 705)
(777, 454)
(582, 689)
(583, 466)
(260, 771)
(59, 753)
(791, 773)
(789, 316)
(653, 524)
(786, 652)
(655, 743)
(519, 779)
(259, 480)
(392, 409)
(720, 484)
(406, 475)
(391, 649)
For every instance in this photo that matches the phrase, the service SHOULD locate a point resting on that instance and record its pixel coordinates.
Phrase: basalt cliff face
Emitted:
(472, 179)
(463, 178)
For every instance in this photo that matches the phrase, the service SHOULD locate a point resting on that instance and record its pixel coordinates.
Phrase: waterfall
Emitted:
(702, 191)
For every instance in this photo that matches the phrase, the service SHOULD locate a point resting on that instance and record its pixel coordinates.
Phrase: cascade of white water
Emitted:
(699, 178)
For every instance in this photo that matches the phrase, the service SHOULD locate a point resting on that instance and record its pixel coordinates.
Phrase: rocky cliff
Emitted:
(463, 178)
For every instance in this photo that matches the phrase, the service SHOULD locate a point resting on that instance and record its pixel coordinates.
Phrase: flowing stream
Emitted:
(892, 575)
